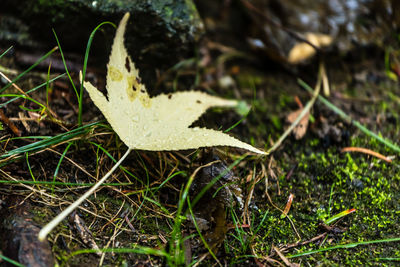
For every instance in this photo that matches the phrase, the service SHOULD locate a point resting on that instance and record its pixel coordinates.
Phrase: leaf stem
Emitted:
(53, 223)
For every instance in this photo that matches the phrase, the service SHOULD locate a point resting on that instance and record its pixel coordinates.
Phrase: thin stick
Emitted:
(305, 110)
(325, 81)
(347, 118)
(53, 223)
(366, 151)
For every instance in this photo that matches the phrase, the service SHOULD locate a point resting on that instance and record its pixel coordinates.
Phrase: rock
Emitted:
(13, 30)
(277, 26)
(19, 236)
(159, 33)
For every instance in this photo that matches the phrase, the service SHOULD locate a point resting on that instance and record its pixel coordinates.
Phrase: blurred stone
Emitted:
(279, 25)
(19, 235)
(160, 32)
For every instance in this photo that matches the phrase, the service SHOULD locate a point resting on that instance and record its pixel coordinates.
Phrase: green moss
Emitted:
(359, 181)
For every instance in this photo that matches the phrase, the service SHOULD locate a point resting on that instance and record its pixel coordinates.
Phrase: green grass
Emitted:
(347, 118)
(22, 74)
(48, 141)
(13, 262)
(5, 52)
(85, 62)
(345, 246)
(21, 96)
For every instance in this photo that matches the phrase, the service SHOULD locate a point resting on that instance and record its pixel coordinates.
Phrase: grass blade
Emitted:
(137, 249)
(59, 164)
(50, 141)
(85, 66)
(30, 91)
(338, 216)
(347, 118)
(29, 69)
(200, 235)
(344, 246)
(65, 65)
(13, 262)
(5, 52)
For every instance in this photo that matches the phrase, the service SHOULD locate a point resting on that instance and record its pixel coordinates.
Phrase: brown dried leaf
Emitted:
(300, 130)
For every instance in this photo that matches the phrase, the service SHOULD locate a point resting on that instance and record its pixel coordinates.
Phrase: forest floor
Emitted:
(306, 203)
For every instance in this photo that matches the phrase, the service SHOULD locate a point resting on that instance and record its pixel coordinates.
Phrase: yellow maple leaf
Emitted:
(158, 123)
